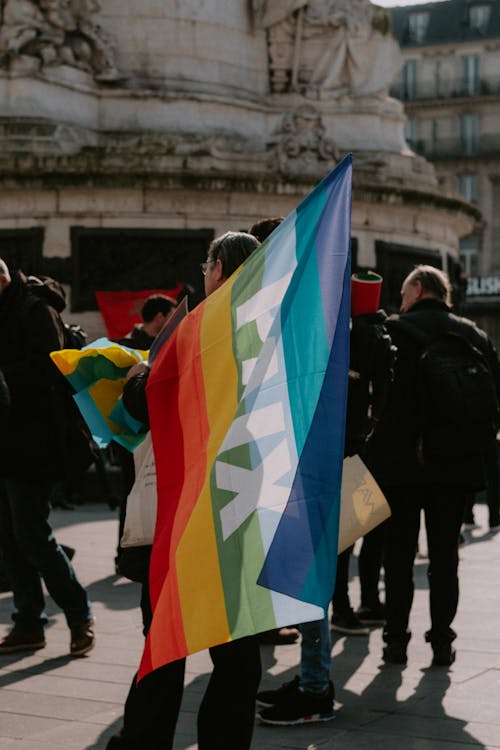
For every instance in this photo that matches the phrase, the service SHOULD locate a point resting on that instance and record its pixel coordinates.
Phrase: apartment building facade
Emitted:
(450, 87)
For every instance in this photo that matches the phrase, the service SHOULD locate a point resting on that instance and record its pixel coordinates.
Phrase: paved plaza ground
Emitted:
(49, 701)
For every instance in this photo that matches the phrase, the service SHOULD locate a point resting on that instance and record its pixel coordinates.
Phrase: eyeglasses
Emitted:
(204, 266)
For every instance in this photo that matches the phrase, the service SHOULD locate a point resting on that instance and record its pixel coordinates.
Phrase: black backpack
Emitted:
(81, 448)
(458, 403)
(74, 336)
(371, 363)
(52, 293)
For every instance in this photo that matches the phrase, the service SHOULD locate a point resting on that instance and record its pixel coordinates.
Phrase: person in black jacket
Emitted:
(414, 477)
(4, 409)
(371, 360)
(155, 310)
(33, 453)
(4, 399)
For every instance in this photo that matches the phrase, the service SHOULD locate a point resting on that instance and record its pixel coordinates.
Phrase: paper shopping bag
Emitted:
(362, 504)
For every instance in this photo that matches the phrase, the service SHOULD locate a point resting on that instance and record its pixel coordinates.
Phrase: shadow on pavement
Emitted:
(115, 592)
(16, 675)
(105, 735)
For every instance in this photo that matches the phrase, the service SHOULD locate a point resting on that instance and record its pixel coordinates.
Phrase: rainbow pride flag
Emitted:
(97, 375)
(247, 406)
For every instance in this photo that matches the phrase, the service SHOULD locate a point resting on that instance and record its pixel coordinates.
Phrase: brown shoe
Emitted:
(82, 638)
(19, 641)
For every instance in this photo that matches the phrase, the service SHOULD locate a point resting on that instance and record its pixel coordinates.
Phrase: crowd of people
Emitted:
(424, 389)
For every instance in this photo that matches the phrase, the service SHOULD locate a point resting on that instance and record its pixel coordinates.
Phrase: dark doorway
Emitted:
(135, 259)
(21, 249)
(394, 263)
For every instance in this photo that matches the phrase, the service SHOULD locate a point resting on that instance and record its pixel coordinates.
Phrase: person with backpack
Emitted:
(429, 448)
(33, 453)
(371, 361)
(81, 451)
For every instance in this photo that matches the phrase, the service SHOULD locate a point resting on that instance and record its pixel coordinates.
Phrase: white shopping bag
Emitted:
(140, 518)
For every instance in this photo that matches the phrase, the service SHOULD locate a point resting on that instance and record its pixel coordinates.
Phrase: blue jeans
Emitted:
(31, 553)
(316, 658)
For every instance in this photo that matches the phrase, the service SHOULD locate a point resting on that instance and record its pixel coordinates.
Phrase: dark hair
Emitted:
(155, 304)
(232, 248)
(433, 280)
(263, 228)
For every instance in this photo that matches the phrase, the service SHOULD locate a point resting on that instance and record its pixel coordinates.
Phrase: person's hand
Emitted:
(137, 369)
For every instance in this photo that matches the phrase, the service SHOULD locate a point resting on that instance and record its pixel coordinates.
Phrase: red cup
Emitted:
(365, 292)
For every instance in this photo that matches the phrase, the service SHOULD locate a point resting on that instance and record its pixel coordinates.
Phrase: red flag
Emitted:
(122, 310)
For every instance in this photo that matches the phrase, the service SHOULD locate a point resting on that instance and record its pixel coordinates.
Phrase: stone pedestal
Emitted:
(175, 121)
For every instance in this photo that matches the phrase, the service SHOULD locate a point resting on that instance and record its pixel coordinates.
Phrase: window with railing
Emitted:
(479, 17)
(470, 75)
(469, 255)
(417, 26)
(467, 187)
(469, 134)
(409, 80)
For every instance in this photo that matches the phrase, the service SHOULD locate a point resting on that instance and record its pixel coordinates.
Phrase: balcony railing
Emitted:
(452, 148)
(449, 89)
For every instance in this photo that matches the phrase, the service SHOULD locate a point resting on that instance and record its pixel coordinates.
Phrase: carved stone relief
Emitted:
(301, 145)
(328, 49)
(37, 34)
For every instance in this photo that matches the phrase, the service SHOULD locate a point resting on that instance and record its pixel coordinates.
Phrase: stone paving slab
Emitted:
(48, 700)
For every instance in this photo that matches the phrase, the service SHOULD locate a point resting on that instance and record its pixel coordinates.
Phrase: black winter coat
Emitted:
(393, 453)
(4, 401)
(33, 443)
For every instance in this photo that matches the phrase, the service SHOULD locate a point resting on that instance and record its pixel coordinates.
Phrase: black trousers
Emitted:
(340, 600)
(370, 561)
(443, 509)
(226, 715)
(370, 564)
(492, 486)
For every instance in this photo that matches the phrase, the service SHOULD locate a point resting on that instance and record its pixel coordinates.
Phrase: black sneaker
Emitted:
(444, 655)
(372, 615)
(270, 697)
(348, 623)
(299, 707)
(395, 653)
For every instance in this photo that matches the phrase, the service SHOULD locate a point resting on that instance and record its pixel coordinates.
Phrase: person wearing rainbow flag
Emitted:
(248, 464)
(227, 711)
